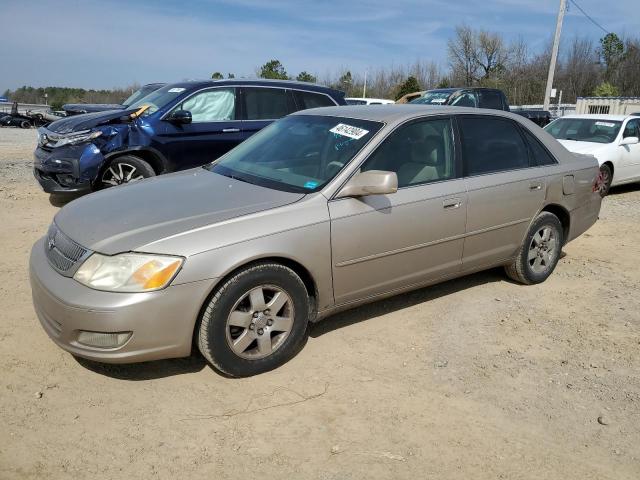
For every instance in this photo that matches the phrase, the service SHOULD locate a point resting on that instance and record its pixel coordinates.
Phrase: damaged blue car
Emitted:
(179, 126)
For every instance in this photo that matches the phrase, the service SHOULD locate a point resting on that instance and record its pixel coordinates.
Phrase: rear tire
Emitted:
(124, 169)
(256, 321)
(607, 177)
(25, 124)
(540, 251)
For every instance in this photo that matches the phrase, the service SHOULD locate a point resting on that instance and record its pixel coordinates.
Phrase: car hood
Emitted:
(91, 107)
(86, 121)
(590, 148)
(125, 218)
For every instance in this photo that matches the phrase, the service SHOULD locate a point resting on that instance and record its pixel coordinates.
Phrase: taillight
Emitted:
(599, 183)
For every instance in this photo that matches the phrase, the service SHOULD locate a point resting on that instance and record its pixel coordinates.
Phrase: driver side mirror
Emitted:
(182, 117)
(630, 141)
(373, 182)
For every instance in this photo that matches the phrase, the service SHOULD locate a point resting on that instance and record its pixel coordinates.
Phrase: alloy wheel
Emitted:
(260, 322)
(543, 250)
(120, 173)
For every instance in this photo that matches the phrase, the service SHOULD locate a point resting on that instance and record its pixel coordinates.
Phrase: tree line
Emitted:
(475, 57)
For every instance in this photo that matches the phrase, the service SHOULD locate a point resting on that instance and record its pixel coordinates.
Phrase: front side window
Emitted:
(299, 153)
(584, 129)
(632, 129)
(214, 105)
(491, 144)
(419, 152)
(265, 103)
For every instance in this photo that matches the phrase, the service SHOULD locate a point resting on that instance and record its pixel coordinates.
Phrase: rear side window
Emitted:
(265, 103)
(490, 99)
(539, 155)
(312, 100)
(491, 145)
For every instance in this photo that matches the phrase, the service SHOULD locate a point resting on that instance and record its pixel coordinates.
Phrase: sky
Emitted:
(115, 43)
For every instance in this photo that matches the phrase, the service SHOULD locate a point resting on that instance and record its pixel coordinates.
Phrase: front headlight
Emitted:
(78, 138)
(128, 272)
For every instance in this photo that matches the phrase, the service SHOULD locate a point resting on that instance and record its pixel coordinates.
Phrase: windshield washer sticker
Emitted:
(310, 184)
(605, 124)
(176, 90)
(349, 131)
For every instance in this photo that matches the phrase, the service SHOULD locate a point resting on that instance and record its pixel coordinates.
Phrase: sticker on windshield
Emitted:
(310, 185)
(349, 131)
(438, 100)
(605, 124)
(176, 90)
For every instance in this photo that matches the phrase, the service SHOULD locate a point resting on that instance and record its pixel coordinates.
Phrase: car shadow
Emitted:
(146, 370)
(60, 200)
(405, 300)
(622, 189)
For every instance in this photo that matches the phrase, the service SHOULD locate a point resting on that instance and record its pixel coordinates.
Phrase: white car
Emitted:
(368, 101)
(613, 139)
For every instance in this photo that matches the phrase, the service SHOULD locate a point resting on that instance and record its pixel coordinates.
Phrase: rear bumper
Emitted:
(161, 322)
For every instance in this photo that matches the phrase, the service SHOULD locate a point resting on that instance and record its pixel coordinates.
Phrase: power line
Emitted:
(587, 15)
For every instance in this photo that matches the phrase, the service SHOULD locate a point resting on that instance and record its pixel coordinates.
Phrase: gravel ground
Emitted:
(474, 378)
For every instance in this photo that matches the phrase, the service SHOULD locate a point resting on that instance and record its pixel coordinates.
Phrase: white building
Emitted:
(608, 105)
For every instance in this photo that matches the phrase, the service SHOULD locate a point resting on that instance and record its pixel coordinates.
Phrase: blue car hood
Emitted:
(86, 121)
(91, 107)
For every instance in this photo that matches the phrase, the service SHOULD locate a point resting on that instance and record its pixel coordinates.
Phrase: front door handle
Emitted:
(535, 186)
(230, 130)
(451, 203)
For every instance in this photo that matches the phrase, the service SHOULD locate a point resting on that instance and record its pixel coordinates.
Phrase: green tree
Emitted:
(217, 76)
(410, 85)
(606, 89)
(230, 75)
(611, 53)
(306, 77)
(273, 69)
(345, 81)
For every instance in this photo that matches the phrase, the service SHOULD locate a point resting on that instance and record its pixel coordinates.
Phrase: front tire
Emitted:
(540, 251)
(606, 177)
(125, 169)
(256, 321)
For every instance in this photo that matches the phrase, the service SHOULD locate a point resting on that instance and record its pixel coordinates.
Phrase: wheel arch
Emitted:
(300, 270)
(609, 163)
(563, 215)
(150, 155)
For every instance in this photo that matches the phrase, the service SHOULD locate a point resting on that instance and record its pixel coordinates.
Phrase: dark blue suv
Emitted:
(178, 126)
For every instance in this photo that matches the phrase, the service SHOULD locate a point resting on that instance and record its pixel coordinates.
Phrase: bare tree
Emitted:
(462, 52)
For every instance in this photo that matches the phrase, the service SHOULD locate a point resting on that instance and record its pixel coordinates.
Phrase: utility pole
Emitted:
(554, 54)
(364, 90)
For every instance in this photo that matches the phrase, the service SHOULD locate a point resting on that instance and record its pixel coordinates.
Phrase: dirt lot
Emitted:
(472, 379)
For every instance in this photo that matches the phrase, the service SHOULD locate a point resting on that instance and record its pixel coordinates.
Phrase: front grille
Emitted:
(62, 252)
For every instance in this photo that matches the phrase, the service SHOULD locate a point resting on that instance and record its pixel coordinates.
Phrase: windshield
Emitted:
(584, 129)
(433, 98)
(300, 153)
(140, 94)
(159, 98)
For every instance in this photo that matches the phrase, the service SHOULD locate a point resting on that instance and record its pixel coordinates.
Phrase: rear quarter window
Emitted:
(539, 154)
(307, 100)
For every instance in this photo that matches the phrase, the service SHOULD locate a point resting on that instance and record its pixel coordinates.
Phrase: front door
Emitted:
(382, 243)
(628, 168)
(505, 188)
(213, 131)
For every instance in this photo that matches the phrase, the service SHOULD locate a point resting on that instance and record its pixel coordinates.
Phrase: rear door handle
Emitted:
(535, 186)
(451, 203)
(230, 130)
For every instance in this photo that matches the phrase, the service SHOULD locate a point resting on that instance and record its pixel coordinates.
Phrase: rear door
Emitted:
(263, 105)
(215, 129)
(505, 190)
(382, 243)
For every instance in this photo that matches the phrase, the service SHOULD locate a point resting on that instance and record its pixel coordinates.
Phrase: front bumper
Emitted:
(162, 322)
(69, 169)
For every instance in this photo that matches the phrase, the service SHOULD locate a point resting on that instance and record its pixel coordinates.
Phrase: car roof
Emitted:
(314, 87)
(397, 113)
(594, 116)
